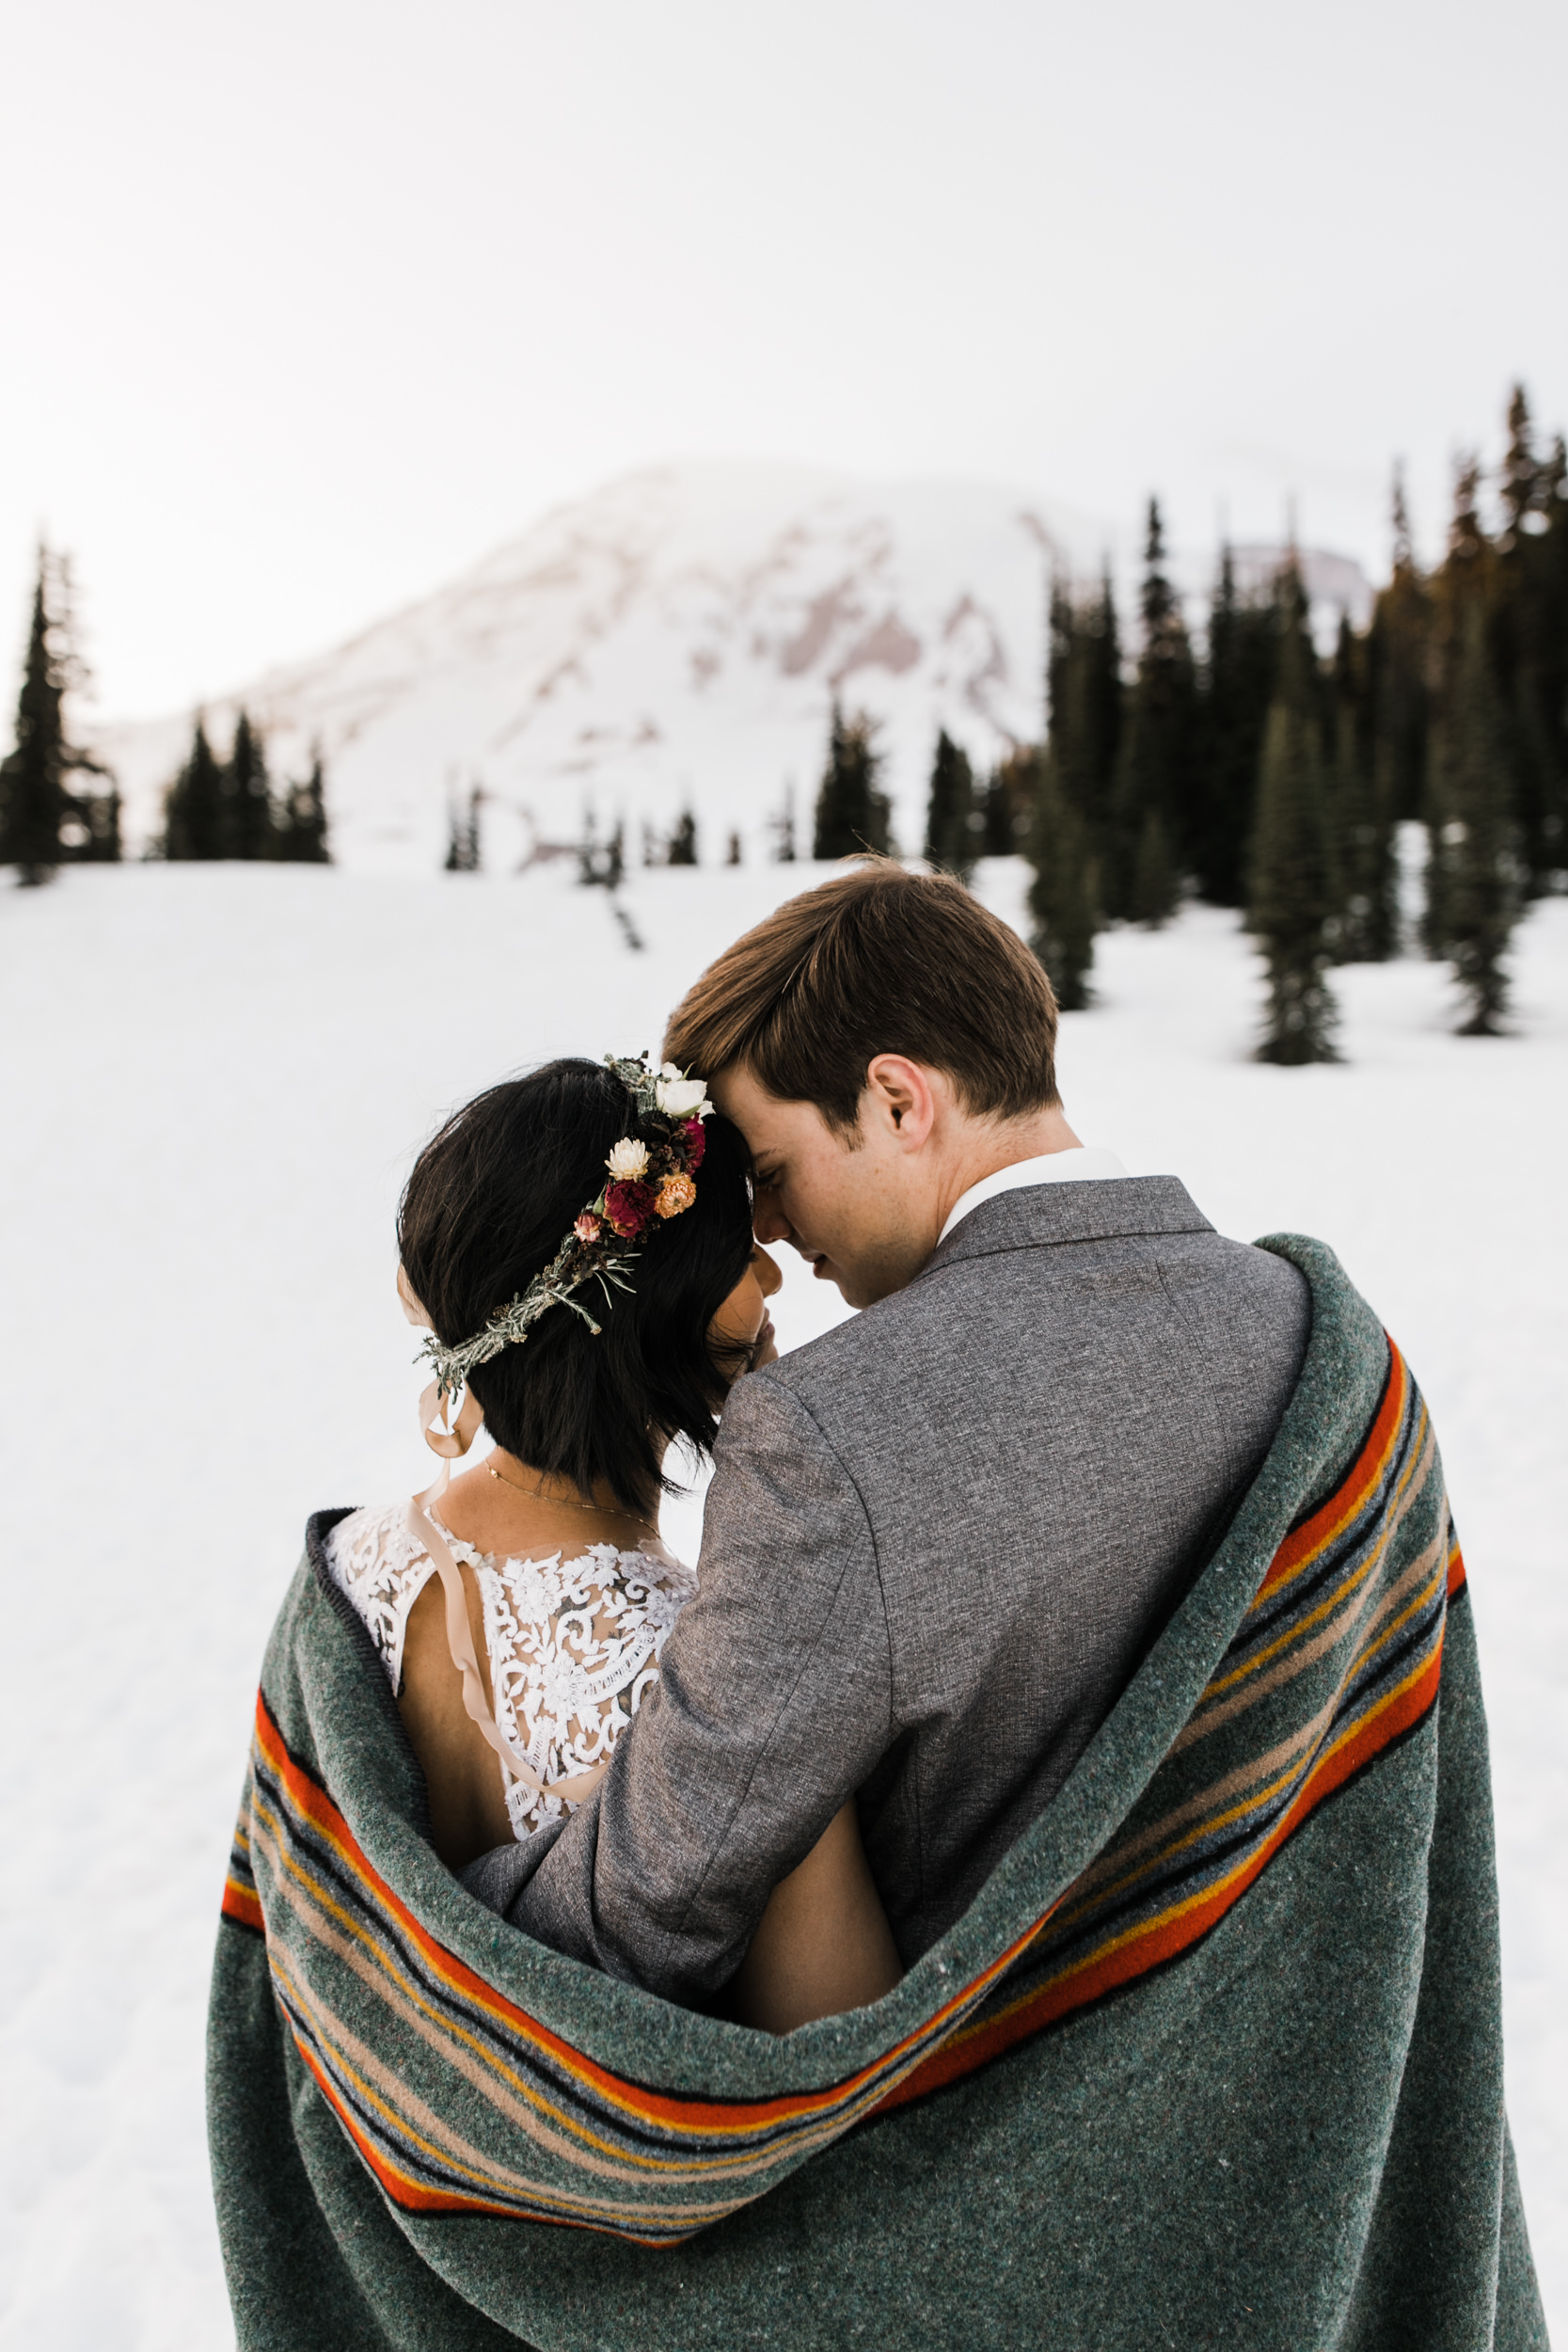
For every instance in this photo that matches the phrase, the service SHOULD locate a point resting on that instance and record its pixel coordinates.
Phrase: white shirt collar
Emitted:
(1082, 1164)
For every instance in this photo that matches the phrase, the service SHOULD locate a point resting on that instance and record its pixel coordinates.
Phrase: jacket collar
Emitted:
(1045, 1215)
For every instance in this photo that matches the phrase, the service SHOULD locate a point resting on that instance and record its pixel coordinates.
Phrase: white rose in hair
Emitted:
(681, 1098)
(628, 1159)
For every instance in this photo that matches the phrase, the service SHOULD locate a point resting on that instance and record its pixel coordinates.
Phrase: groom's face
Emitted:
(850, 1206)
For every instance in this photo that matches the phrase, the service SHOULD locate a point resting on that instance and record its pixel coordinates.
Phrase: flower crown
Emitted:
(652, 1176)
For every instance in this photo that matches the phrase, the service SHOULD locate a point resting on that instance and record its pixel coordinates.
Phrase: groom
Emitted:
(939, 1540)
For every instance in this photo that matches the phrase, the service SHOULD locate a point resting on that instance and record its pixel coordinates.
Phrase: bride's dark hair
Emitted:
(490, 1201)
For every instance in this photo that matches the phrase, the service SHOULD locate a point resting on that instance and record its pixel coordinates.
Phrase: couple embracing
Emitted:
(1030, 1883)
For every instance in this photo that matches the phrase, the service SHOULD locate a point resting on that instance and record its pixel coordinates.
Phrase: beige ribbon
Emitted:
(452, 1443)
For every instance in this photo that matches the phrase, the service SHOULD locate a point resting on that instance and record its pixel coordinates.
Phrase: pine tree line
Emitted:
(1263, 777)
(226, 808)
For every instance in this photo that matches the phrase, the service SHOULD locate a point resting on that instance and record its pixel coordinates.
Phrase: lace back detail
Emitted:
(573, 1644)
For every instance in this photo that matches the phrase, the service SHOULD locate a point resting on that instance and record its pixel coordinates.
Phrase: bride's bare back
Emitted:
(823, 1944)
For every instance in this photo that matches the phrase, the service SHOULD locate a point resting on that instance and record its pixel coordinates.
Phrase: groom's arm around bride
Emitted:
(938, 1540)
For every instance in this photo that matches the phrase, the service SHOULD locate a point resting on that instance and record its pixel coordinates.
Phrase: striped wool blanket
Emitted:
(1215, 2057)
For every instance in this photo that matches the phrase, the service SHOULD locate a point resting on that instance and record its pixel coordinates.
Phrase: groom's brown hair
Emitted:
(878, 961)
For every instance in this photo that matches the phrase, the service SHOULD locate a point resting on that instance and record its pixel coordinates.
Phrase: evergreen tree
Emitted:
(1084, 698)
(954, 824)
(1158, 767)
(1363, 832)
(1237, 689)
(1156, 886)
(784, 830)
(731, 855)
(1472, 871)
(1007, 803)
(247, 795)
(1528, 627)
(196, 808)
(853, 814)
(1062, 897)
(464, 849)
(98, 817)
(1399, 662)
(683, 841)
(33, 803)
(1294, 895)
(300, 839)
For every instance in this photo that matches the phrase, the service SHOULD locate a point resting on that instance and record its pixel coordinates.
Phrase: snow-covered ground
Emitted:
(212, 1083)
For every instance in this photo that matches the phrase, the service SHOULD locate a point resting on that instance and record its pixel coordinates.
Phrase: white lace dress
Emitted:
(573, 1644)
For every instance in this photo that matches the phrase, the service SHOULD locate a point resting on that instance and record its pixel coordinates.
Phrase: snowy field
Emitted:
(212, 1080)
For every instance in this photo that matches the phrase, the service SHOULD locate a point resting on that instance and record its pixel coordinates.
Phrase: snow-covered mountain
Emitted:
(676, 639)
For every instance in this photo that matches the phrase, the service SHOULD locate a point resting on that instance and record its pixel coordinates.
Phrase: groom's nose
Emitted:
(768, 1221)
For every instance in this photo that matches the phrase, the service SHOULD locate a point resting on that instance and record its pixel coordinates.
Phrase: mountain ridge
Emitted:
(676, 639)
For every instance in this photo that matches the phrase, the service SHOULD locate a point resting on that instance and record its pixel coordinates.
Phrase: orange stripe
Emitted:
(1457, 1576)
(965, 2050)
(695, 2117)
(1163, 1939)
(242, 1903)
(1316, 1533)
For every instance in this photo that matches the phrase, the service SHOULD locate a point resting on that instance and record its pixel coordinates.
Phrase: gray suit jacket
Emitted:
(938, 1541)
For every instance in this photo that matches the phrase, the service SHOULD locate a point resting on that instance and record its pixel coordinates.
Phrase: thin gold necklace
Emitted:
(537, 1494)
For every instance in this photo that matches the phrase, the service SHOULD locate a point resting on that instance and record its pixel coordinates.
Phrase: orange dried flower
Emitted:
(676, 1194)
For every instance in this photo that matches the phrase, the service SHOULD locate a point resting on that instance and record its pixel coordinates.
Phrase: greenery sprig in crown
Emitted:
(652, 1176)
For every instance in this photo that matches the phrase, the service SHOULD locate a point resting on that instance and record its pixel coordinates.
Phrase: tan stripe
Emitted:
(1309, 1653)
(805, 2140)
(336, 2035)
(1408, 1485)
(1220, 1793)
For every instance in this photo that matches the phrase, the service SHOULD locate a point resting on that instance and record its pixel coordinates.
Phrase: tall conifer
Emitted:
(1399, 664)
(1237, 689)
(853, 814)
(683, 841)
(465, 854)
(33, 802)
(1363, 832)
(1157, 767)
(953, 823)
(1529, 634)
(301, 836)
(248, 794)
(1473, 870)
(1085, 697)
(1294, 897)
(1063, 894)
(195, 806)
(1007, 802)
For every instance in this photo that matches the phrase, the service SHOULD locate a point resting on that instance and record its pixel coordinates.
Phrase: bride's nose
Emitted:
(768, 1272)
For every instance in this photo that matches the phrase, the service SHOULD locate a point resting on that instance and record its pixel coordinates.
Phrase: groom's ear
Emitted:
(899, 1101)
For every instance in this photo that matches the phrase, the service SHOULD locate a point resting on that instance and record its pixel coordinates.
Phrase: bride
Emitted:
(579, 1244)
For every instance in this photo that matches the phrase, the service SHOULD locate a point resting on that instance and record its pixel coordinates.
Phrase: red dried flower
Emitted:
(696, 1144)
(628, 1206)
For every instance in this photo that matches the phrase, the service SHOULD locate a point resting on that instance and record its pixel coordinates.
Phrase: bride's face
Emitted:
(743, 1322)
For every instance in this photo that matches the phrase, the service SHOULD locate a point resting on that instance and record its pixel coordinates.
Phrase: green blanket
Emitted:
(1214, 2058)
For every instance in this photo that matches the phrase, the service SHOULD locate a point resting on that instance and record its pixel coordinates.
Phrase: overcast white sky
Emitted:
(307, 306)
